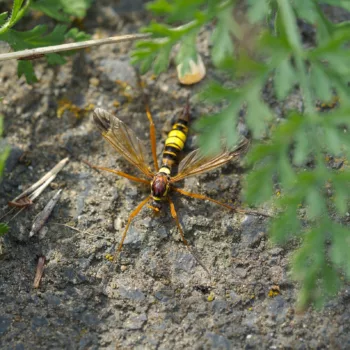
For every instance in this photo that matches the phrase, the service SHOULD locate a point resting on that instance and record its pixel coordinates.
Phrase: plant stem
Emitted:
(21, 12)
(12, 21)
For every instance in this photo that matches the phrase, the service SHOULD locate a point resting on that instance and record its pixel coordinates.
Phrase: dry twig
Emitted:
(46, 179)
(41, 218)
(38, 52)
(36, 189)
(39, 271)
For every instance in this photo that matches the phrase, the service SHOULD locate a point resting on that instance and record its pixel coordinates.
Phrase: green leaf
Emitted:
(285, 225)
(261, 151)
(316, 203)
(158, 30)
(302, 148)
(36, 37)
(161, 62)
(309, 257)
(209, 142)
(306, 10)
(330, 281)
(51, 8)
(311, 12)
(321, 83)
(76, 8)
(214, 92)
(146, 64)
(17, 4)
(61, 9)
(285, 78)
(341, 197)
(18, 10)
(286, 172)
(160, 7)
(340, 247)
(338, 61)
(221, 38)
(3, 17)
(259, 182)
(219, 127)
(257, 112)
(3, 228)
(289, 24)
(187, 52)
(244, 65)
(338, 117)
(77, 35)
(258, 10)
(4, 153)
(332, 140)
(54, 58)
(179, 10)
(4, 149)
(26, 68)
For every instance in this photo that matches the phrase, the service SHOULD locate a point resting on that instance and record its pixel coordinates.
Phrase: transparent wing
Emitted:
(123, 139)
(196, 163)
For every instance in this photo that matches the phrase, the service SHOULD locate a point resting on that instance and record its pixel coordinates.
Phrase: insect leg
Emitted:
(132, 215)
(200, 196)
(175, 217)
(117, 172)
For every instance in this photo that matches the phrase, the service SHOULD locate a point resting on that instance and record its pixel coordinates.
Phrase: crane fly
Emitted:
(161, 181)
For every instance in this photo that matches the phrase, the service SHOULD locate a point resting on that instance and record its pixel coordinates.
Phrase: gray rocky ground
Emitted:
(158, 297)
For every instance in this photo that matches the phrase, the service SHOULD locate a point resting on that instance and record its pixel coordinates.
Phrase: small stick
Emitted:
(40, 190)
(40, 220)
(53, 172)
(34, 53)
(39, 271)
(36, 188)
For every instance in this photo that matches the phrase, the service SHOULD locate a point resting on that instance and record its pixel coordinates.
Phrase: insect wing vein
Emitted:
(123, 139)
(196, 162)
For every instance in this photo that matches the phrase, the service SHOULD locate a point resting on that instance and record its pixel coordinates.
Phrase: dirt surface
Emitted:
(157, 297)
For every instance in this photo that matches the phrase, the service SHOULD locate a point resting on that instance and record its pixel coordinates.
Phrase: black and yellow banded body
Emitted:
(175, 142)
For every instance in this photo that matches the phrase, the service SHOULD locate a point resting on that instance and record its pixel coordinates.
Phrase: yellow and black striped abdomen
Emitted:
(175, 142)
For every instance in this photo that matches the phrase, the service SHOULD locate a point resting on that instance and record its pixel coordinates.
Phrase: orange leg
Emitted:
(175, 217)
(117, 172)
(132, 215)
(200, 196)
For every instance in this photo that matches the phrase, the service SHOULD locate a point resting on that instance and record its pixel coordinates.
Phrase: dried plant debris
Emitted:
(39, 271)
(36, 189)
(42, 217)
